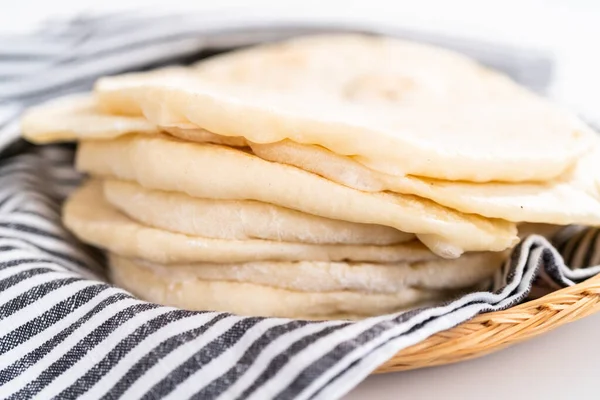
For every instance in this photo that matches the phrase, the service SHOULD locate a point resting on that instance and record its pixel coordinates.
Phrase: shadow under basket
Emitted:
(489, 332)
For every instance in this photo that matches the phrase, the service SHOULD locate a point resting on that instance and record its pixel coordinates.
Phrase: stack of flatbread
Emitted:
(322, 177)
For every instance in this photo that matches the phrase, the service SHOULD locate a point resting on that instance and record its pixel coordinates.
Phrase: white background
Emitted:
(569, 28)
(560, 365)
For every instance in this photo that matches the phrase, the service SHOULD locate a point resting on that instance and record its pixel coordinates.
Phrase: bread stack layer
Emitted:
(322, 177)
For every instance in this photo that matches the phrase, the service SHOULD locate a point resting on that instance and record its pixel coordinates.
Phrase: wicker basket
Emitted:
(493, 331)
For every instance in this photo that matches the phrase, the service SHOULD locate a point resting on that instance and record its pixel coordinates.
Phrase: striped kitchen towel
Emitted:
(66, 333)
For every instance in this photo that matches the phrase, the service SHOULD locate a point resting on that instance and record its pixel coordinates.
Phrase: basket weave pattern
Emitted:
(493, 331)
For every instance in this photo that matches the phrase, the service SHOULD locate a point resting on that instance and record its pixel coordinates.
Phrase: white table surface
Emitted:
(559, 365)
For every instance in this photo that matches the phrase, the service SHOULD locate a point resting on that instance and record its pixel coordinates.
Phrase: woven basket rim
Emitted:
(489, 332)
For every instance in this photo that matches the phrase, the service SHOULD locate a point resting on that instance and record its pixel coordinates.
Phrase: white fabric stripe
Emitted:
(47, 209)
(138, 35)
(15, 69)
(306, 356)
(45, 302)
(403, 341)
(343, 385)
(141, 32)
(24, 286)
(138, 32)
(58, 246)
(35, 370)
(35, 199)
(271, 351)
(18, 245)
(218, 366)
(36, 224)
(46, 258)
(91, 264)
(15, 271)
(98, 352)
(94, 67)
(8, 111)
(37, 209)
(34, 221)
(15, 354)
(18, 46)
(13, 203)
(39, 252)
(142, 348)
(16, 180)
(108, 24)
(172, 360)
(584, 273)
(22, 251)
(26, 190)
(28, 259)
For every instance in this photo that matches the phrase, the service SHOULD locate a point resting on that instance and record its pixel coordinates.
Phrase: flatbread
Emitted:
(77, 116)
(95, 222)
(397, 107)
(319, 276)
(259, 300)
(239, 219)
(570, 199)
(211, 171)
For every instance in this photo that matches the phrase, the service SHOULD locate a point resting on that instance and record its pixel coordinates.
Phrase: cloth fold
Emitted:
(66, 333)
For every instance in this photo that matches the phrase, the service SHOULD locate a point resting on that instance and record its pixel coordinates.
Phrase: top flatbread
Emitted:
(78, 118)
(395, 106)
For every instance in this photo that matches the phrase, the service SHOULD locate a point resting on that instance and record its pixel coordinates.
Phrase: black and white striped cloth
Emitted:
(65, 333)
